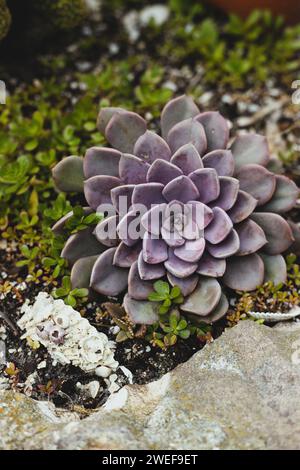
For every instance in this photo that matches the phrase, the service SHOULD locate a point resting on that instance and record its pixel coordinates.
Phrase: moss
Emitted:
(65, 14)
(5, 19)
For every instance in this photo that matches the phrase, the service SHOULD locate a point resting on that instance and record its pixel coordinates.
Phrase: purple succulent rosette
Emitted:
(236, 242)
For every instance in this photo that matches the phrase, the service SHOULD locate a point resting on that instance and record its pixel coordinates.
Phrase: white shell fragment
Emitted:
(276, 316)
(78, 343)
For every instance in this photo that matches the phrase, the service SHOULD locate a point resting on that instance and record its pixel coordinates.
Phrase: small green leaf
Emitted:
(178, 300)
(155, 297)
(173, 320)
(175, 292)
(182, 324)
(167, 303)
(70, 300)
(80, 292)
(162, 288)
(184, 334)
(162, 310)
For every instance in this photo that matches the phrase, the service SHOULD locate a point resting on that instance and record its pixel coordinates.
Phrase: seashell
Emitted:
(93, 344)
(62, 320)
(93, 388)
(69, 338)
(277, 316)
(56, 334)
(43, 330)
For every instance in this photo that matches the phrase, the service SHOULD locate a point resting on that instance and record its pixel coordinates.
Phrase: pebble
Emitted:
(102, 371)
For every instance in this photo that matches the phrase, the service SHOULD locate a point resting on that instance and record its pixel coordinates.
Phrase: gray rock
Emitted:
(240, 392)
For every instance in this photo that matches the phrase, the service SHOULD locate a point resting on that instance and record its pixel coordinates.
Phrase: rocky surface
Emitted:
(240, 392)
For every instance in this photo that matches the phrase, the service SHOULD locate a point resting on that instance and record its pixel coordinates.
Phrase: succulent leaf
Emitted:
(252, 237)
(245, 275)
(105, 116)
(124, 129)
(227, 247)
(257, 181)
(250, 148)
(138, 288)
(210, 266)
(285, 196)
(216, 130)
(81, 272)
(221, 160)
(186, 285)
(204, 299)
(243, 207)
(187, 159)
(68, 174)
(229, 188)
(275, 268)
(126, 255)
(150, 146)
(175, 111)
(155, 250)
(219, 227)
(207, 182)
(187, 132)
(106, 278)
(101, 161)
(277, 231)
(97, 189)
(163, 172)
(181, 189)
(141, 312)
(81, 244)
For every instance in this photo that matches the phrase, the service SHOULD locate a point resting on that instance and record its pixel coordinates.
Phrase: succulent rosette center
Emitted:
(183, 206)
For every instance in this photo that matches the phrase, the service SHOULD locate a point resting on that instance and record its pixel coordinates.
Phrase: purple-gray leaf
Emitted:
(101, 161)
(137, 288)
(250, 148)
(252, 237)
(126, 255)
(277, 231)
(207, 182)
(106, 278)
(187, 132)
(155, 250)
(210, 266)
(219, 227)
(257, 181)
(141, 312)
(243, 207)
(216, 129)
(187, 159)
(148, 272)
(124, 129)
(182, 189)
(246, 275)
(204, 299)
(177, 110)
(163, 172)
(221, 160)
(150, 147)
(178, 267)
(97, 190)
(132, 169)
(228, 247)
